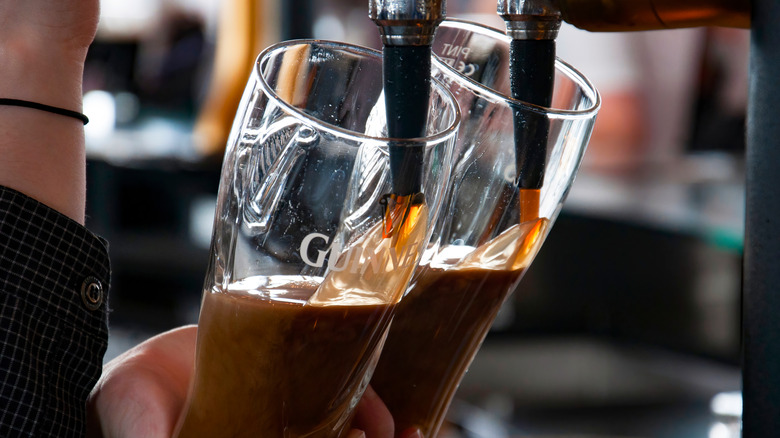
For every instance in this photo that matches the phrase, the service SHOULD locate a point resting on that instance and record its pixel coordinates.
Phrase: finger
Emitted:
(356, 433)
(372, 416)
(412, 432)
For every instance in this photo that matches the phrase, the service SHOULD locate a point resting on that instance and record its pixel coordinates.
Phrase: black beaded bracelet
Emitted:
(43, 107)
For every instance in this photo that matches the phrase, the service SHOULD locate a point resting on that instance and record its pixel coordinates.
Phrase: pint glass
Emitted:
(311, 250)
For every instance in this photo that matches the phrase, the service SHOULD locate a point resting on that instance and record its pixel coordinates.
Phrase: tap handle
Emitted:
(633, 15)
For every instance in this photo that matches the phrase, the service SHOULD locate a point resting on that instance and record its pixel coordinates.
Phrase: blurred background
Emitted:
(627, 324)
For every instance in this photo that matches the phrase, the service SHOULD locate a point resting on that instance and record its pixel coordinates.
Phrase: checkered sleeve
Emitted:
(54, 276)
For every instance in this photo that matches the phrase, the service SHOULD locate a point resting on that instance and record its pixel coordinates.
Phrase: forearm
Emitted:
(42, 154)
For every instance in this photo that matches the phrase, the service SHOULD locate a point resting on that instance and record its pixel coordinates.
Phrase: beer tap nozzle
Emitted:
(407, 22)
(533, 26)
(530, 19)
(407, 28)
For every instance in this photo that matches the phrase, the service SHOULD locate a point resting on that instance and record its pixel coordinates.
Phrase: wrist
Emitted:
(42, 74)
(43, 153)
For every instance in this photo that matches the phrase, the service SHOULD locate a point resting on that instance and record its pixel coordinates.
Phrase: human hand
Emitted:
(142, 392)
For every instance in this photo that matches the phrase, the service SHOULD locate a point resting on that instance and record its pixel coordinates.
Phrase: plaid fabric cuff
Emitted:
(54, 277)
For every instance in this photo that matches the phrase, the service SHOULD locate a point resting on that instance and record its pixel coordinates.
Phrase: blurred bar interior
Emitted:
(627, 324)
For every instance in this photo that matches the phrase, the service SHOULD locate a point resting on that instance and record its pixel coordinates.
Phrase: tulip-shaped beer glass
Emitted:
(311, 250)
(489, 230)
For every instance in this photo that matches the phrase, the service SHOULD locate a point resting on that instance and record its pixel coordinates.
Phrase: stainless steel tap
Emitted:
(407, 22)
(530, 19)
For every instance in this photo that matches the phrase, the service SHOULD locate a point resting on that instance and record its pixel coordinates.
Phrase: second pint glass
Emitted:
(487, 236)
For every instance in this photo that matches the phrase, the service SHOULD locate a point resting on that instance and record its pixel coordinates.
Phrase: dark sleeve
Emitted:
(54, 276)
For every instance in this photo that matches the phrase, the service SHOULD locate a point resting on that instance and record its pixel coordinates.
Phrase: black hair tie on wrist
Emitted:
(42, 107)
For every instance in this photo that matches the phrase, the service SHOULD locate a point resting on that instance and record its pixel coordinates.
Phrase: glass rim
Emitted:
(436, 138)
(560, 65)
